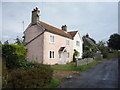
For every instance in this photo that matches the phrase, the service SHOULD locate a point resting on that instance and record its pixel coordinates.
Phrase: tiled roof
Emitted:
(55, 30)
(73, 33)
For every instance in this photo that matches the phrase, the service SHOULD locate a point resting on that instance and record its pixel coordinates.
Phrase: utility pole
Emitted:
(23, 25)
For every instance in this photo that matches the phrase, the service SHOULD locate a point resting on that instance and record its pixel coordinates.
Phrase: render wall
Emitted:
(35, 47)
(60, 41)
(78, 48)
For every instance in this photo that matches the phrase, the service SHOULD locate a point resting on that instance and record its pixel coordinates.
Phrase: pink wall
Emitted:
(60, 41)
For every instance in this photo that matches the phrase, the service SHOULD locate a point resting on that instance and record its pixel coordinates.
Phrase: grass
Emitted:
(68, 67)
(54, 83)
(72, 67)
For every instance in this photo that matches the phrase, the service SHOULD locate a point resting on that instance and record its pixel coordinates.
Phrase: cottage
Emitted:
(47, 44)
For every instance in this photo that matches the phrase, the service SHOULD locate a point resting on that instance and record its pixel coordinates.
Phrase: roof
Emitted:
(73, 33)
(55, 30)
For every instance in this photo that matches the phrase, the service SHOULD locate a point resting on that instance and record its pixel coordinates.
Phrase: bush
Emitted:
(75, 54)
(15, 55)
(104, 51)
(88, 54)
(29, 78)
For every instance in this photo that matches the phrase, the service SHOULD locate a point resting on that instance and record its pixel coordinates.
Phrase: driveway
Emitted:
(104, 75)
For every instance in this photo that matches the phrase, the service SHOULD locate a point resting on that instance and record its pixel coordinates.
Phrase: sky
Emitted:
(98, 19)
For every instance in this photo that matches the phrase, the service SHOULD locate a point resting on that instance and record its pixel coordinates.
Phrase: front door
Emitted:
(62, 58)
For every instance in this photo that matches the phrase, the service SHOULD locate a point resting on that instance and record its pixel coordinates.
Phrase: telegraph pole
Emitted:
(23, 25)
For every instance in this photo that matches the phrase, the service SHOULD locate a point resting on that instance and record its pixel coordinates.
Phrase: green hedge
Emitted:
(36, 76)
(15, 55)
(88, 54)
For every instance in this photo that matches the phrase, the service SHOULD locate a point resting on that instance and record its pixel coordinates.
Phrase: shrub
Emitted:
(29, 78)
(88, 54)
(15, 55)
(104, 51)
(75, 54)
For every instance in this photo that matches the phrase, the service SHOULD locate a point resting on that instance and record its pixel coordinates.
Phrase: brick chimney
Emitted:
(35, 16)
(64, 28)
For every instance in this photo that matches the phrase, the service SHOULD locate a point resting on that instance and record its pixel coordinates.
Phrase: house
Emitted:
(47, 44)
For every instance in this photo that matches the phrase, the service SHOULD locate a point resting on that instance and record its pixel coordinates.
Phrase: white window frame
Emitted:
(67, 42)
(49, 54)
(77, 43)
(50, 39)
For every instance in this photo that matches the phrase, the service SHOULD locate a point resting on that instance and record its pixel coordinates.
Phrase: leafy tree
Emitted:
(101, 43)
(114, 41)
(104, 49)
(18, 41)
(6, 42)
(15, 55)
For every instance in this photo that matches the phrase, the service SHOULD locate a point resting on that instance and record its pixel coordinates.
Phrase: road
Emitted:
(104, 75)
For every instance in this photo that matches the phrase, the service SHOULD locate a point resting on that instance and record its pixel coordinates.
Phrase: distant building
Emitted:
(47, 44)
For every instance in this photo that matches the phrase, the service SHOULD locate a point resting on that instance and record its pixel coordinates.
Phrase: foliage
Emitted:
(15, 55)
(104, 50)
(88, 54)
(6, 42)
(0, 49)
(4, 74)
(18, 41)
(75, 54)
(114, 41)
(29, 78)
(113, 54)
(101, 43)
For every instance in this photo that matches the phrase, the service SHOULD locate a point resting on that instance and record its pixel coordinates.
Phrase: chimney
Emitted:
(35, 16)
(64, 28)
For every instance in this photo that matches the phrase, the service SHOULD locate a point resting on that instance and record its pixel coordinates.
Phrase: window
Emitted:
(51, 54)
(68, 54)
(77, 43)
(67, 42)
(52, 39)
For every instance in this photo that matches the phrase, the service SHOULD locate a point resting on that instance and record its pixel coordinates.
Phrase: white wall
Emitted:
(77, 37)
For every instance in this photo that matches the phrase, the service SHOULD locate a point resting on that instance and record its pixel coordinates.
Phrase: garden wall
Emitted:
(84, 61)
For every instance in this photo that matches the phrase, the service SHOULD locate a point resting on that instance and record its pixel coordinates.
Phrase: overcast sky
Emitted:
(98, 19)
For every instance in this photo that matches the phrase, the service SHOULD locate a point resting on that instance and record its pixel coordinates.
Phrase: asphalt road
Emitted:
(104, 75)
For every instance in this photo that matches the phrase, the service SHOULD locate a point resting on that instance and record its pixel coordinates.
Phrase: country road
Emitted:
(104, 75)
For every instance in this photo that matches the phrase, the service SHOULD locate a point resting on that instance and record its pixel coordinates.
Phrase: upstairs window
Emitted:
(51, 54)
(67, 42)
(77, 43)
(52, 39)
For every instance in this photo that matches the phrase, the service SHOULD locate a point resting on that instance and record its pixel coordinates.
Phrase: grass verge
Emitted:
(72, 67)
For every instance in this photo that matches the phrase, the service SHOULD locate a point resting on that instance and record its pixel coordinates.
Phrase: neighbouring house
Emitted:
(47, 44)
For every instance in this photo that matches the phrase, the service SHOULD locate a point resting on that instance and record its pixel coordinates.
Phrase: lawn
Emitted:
(72, 66)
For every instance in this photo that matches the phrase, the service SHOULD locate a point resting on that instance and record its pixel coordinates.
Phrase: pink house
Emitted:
(47, 44)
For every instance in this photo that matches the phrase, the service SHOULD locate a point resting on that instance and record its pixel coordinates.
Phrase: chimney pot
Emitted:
(64, 27)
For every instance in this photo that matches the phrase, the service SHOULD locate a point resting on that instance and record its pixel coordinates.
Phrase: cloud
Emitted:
(97, 19)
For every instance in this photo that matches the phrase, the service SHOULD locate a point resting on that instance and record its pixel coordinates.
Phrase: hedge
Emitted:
(36, 77)
(15, 55)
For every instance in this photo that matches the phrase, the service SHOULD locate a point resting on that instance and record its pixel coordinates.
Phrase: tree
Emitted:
(18, 41)
(103, 49)
(101, 43)
(6, 42)
(114, 41)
